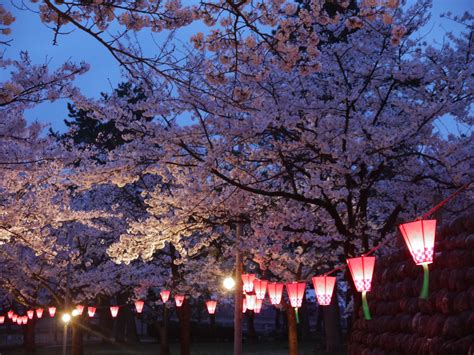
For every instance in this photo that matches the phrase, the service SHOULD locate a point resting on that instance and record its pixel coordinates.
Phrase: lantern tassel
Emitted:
(297, 316)
(365, 306)
(426, 282)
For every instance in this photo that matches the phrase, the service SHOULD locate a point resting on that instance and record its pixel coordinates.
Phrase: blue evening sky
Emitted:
(28, 33)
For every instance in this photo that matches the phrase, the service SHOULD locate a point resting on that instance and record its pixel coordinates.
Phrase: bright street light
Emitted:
(66, 318)
(75, 312)
(229, 283)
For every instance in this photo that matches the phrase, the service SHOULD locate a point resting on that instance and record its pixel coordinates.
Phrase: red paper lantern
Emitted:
(24, 320)
(18, 321)
(14, 317)
(251, 300)
(39, 313)
(247, 280)
(295, 292)
(165, 295)
(10, 314)
(80, 309)
(211, 306)
(362, 269)
(420, 238)
(260, 287)
(2, 319)
(139, 306)
(30, 313)
(258, 306)
(244, 305)
(179, 300)
(275, 290)
(114, 311)
(324, 287)
(91, 311)
(52, 311)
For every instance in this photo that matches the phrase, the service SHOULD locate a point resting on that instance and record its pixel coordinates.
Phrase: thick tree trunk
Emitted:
(332, 326)
(106, 323)
(29, 337)
(292, 331)
(126, 329)
(77, 338)
(184, 315)
(163, 333)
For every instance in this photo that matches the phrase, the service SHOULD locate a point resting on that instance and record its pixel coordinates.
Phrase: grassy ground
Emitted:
(197, 349)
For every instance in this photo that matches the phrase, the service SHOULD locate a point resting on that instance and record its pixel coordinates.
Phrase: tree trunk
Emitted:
(29, 337)
(106, 323)
(184, 315)
(332, 325)
(304, 318)
(292, 331)
(163, 333)
(252, 334)
(77, 337)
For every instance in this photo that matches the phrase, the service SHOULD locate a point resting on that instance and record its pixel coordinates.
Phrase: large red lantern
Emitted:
(39, 313)
(275, 290)
(179, 300)
(211, 306)
(52, 311)
(114, 311)
(165, 295)
(260, 287)
(247, 280)
(91, 311)
(324, 287)
(295, 292)
(244, 305)
(30, 313)
(10, 314)
(139, 306)
(258, 306)
(251, 300)
(362, 270)
(2, 319)
(80, 309)
(420, 238)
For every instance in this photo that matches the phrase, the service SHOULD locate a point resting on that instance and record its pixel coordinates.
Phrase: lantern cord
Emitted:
(365, 306)
(426, 282)
(297, 316)
(446, 200)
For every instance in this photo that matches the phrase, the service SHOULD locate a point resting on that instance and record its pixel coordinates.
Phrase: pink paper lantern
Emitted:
(39, 313)
(362, 270)
(80, 309)
(247, 280)
(165, 295)
(10, 314)
(251, 300)
(91, 311)
(52, 311)
(260, 287)
(15, 317)
(295, 292)
(324, 287)
(179, 300)
(211, 306)
(30, 313)
(139, 306)
(258, 306)
(420, 238)
(275, 290)
(18, 321)
(114, 311)
(24, 320)
(2, 319)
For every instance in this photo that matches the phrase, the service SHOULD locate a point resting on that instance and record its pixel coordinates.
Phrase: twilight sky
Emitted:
(30, 34)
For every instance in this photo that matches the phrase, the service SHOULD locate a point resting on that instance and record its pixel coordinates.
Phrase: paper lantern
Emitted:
(179, 300)
(30, 313)
(420, 238)
(362, 269)
(211, 306)
(260, 287)
(244, 305)
(258, 306)
(19, 321)
(10, 314)
(114, 311)
(24, 320)
(14, 317)
(275, 290)
(324, 287)
(295, 292)
(39, 313)
(251, 300)
(247, 281)
(165, 295)
(91, 311)
(2, 319)
(52, 311)
(80, 309)
(139, 306)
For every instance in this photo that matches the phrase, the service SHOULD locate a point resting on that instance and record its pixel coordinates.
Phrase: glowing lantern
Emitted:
(165, 295)
(30, 313)
(139, 306)
(244, 305)
(362, 269)
(91, 311)
(251, 300)
(10, 314)
(24, 320)
(80, 309)
(420, 237)
(114, 311)
(260, 287)
(295, 292)
(39, 312)
(52, 311)
(19, 321)
(211, 306)
(324, 287)
(179, 300)
(247, 280)
(14, 317)
(2, 319)
(258, 306)
(275, 290)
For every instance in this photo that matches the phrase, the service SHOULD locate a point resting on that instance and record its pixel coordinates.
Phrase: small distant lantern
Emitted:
(251, 300)
(260, 287)
(165, 295)
(179, 300)
(19, 321)
(324, 287)
(39, 313)
(275, 290)
(2, 319)
(258, 306)
(114, 311)
(295, 292)
(244, 305)
(80, 309)
(247, 280)
(10, 314)
(139, 306)
(52, 311)
(14, 317)
(91, 311)
(211, 306)
(420, 238)
(30, 313)
(24, 320)
(362, 270)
